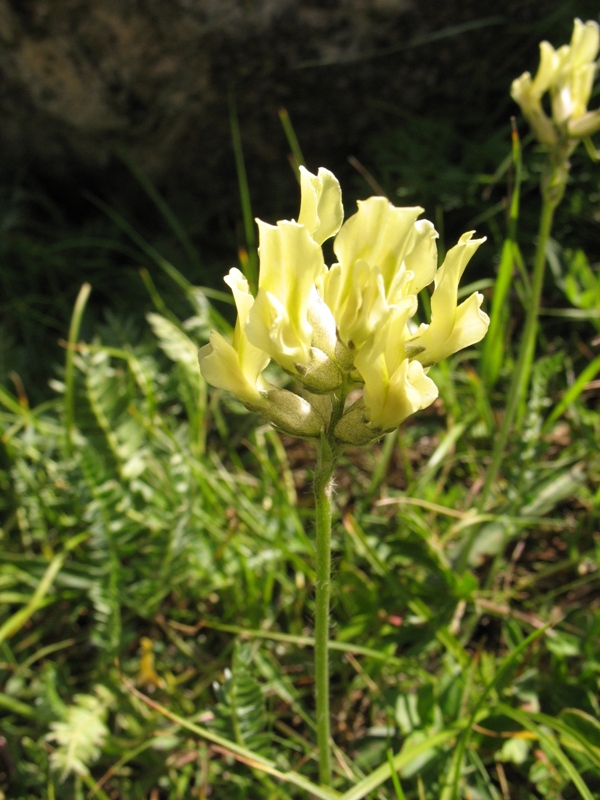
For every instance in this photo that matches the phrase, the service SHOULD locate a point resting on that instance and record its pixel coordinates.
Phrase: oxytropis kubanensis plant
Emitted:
(342, 331)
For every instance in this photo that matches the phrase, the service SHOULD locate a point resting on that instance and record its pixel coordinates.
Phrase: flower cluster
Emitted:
(568, 75)
(348, 326)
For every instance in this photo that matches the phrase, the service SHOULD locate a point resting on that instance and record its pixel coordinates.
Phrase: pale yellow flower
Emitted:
(453, 327)
(290, 263)
(568, 75)
(395, 387)
(321, 210)
(349, 326)
(383, 254)
(236, 367)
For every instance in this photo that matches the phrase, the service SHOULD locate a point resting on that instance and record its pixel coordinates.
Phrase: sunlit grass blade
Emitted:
(384, 772)
(37, 600)
(74, 329)
(574, 737)
(493, 344)
(395, 781)
(573, 392)
(304, 641)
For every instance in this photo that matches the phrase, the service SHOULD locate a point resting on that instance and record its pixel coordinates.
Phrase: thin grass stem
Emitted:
(74, 329)
(296, 158)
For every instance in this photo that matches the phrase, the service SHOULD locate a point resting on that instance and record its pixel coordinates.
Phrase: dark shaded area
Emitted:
(418, 92)
(82, 85)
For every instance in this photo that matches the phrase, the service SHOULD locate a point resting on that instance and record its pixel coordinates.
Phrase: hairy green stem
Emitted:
(553, 186)
(323, 484)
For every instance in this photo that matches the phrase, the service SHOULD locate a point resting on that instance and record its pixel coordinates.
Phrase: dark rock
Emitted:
(82, 82)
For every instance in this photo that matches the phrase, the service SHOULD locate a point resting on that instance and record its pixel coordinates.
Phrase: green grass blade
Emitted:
(249, 265)
(571, 735)
(551, 745)
(14, 706)
(451, 790)
(172, 221)
(573, 392)
(297, 158)
(303, 641)
(38, 599)
(384, 772)
(493, 346)
(395, 781)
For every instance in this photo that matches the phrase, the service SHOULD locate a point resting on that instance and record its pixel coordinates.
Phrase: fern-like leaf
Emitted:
(240, 712)
(81, 734)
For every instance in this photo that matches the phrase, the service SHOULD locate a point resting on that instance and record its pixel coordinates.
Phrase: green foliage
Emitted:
(240, 709)
(157, 564)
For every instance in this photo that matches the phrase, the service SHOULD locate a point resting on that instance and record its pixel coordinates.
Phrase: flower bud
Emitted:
(321, 375)
(292, 414)
(353, 427)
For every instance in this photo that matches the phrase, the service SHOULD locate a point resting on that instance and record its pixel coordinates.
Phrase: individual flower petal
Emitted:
(585, 42)
(546, 73)
(383, 254)
(236, 367)
(290, 261)
(571, 96)
(389, 399)
(421, 260)
(322, 321)
(379, 234)
(357, 299)
(585, 126)
(452, 327)
(321, 210)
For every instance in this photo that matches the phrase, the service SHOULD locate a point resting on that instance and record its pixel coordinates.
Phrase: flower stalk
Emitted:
(323, 488)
